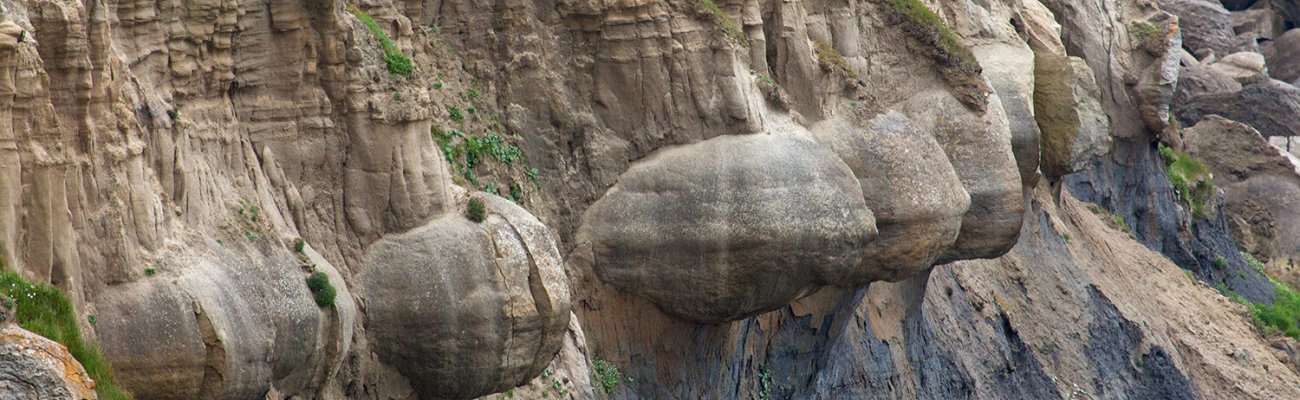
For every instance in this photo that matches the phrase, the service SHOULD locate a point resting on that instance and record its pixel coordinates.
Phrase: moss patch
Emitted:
(957, 65)
(45, 311)
(398, 63)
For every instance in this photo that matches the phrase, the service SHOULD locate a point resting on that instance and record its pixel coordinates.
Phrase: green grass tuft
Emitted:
(960, 68)
(728, 24)
(1280, 317)
(45, 311)
(476, 211)
(1191, 180)
(299, 245)
(1253, 262)
(321, 289)
(398, 63)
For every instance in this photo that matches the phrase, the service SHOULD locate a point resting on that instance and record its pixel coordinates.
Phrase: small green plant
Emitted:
(605, 376)
(1220, 263)
(1143, 29)
(322, 291)
(174, 114)
(91, 319)
(466, 152)
(728, 24)
(299, 245)
(397, 95)
(398, 63)
(765, 382)
(766, 79)
(476, 211)
(45, 311)
(1190, 277)
(1192, 182)
(1065, 237)
(150, 272)
(437, 85)
(1253, 262)
(472, 94)
(455, 114)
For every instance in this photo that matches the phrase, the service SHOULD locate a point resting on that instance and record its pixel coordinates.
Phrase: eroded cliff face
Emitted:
(731, 200)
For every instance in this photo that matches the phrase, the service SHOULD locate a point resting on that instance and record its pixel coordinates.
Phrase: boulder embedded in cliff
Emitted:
(1283, 56)
(1075, 128)
(1195, 81)
(908, 183)
(979, 146)
(1245, 67)
(1010, 71)
(1262, 23)
(10, 35)
(34, 367)
(223, 319)
(1206, 25)
(464, 309)
(730, 227)
(1261, 187)
(1272, 108)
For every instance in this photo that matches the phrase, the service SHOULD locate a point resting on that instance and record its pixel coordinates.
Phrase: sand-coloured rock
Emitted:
(1245, 67)
(1075, 129)
(916, 196)
(465, 309)
(730, 227)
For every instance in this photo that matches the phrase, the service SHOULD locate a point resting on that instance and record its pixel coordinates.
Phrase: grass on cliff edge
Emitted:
(1190, 179)
(45, 311)
(1282, 316)
(398, 63)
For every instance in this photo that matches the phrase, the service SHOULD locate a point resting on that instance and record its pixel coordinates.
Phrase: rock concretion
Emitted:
(730, 227)
(907, 181)
(465, 309)
(33, 367)
(1245, 67)
(1075, 129)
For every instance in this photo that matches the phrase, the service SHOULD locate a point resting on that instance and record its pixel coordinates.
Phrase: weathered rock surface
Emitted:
(1206, 25)
(976, 143)
(1075, 129)
(467, 309)
(1245, 67)
(1264, 24)
(209, 322)
(33, 367)
(1195, 81)
(1010, 71)
(1261, 187)
(732, 226)
(1283, 56)
(1270, 108)
(916, 196)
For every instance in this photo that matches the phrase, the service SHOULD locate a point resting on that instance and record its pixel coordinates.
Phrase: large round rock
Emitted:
(465, 309)
(730, 227)
(915, 193)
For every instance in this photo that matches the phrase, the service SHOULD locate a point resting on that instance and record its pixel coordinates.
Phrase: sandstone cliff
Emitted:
(654, 198)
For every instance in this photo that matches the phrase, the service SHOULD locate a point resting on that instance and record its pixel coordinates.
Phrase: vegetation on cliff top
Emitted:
(398, 63)
(728, 24)
(45, 311)
(1279, 318)
(957, 64)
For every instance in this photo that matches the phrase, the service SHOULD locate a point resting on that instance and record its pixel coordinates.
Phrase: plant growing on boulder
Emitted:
(321, 289)
(476, 211)
(605, 376)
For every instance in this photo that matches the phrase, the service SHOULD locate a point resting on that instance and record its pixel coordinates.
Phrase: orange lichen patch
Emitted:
(51, 354)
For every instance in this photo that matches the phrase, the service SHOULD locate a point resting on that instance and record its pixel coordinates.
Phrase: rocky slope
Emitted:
(655, 198)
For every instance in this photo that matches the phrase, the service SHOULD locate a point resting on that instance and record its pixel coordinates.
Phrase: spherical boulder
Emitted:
(730, 227)
(463, 308)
